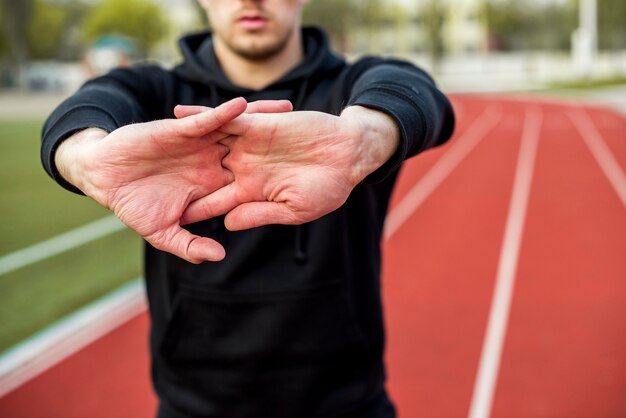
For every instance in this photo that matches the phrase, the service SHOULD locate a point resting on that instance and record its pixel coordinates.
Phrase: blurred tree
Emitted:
(550, 26)
(4, 43)
(333, 16)
(505, 23)
(433, 17)
(369, 16)
(396, 19)
(369, 13)
(612, 24)
(515, 25)
(141, 20)
(74, 12)
(49, 19)
(15, 18)
(342, 18)
(5, 74)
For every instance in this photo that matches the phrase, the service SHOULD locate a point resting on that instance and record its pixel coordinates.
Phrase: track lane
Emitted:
(108, 378)
(565, 353)
(439, 274)
(495, 333)
(612, 127)
(428, 182)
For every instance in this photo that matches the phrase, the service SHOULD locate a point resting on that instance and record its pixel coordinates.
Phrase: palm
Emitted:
(149, 191)
(289, 168)
(147, 174)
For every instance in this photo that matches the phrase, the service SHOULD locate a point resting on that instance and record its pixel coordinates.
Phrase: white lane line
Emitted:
(69, 335)
(489, 365)
(59, 244)
(600, 151)
(442, 169)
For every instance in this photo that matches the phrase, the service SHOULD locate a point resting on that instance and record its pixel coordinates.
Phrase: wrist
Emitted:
(376, 136)
(71, 158)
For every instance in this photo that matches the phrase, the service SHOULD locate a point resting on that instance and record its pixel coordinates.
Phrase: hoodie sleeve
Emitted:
(423, 113)
(122, 97)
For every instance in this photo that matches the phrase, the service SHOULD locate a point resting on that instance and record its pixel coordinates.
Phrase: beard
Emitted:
(258, 51)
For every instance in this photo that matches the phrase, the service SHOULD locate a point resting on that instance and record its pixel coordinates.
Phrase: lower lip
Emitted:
(252, 24)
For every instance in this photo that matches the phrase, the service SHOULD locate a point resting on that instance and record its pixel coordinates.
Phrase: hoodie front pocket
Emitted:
(294, 350)
(274, 331)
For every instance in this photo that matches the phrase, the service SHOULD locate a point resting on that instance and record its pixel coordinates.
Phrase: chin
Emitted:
(258, 51)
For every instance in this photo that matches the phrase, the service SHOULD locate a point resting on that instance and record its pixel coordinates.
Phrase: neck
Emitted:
(257, 74)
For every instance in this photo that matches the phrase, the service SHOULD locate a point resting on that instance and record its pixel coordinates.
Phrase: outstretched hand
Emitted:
(292, 168)
(148, 173)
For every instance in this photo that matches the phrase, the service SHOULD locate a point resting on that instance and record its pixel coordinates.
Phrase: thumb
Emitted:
(214, 204)
(184, 244)
(255, 214)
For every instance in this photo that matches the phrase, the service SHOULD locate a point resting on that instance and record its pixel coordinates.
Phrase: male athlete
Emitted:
(259, 173)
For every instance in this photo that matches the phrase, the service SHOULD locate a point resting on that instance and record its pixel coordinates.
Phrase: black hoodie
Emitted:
(289, 325)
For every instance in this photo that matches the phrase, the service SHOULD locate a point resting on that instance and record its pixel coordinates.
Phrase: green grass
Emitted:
(33, 208)
(590, 84)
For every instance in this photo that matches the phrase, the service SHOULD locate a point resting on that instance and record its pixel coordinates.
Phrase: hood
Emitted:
(202, 66)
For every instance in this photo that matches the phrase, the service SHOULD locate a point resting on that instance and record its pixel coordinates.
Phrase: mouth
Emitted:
(252, 21)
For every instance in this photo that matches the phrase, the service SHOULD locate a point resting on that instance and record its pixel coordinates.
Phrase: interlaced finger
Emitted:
(183, 111)
(269, 106)
(203, 123)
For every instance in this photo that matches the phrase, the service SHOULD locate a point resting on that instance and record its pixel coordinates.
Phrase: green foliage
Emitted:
(612, 24)
(45, 29)
(74, 12)
(518, 25)
(51, 20)
(333, 16)
(521, 25)
(4, 43)
(341, 17)
(141, 20)
(433, 16)
(15, 17)
(368, 13)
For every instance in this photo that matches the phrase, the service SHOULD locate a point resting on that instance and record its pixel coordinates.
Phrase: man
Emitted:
(300, 152)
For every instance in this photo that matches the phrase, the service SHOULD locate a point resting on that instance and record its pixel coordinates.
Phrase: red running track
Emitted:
(560, 350)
